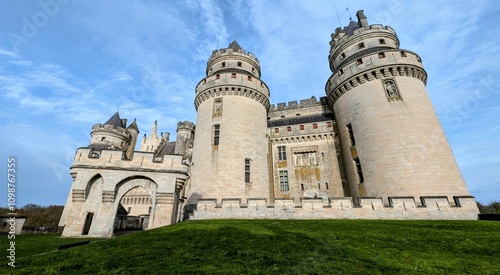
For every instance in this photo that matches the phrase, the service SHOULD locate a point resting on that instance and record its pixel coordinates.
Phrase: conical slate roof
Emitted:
(114, 120)
(235, 46)
(133, 126)
(352, 26)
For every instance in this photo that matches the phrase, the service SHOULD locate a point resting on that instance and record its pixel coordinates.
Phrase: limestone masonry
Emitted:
(373, 148)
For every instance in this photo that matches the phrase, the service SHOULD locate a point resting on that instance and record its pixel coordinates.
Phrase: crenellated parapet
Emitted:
(398, 208)
(185, 125)
(110, 129)
(233, 57)
(114, 159)
(308, 102)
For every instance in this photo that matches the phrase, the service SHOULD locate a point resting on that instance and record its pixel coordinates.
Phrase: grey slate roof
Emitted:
(235, 46)
(352, 26)
(114, 120)
(133, 126)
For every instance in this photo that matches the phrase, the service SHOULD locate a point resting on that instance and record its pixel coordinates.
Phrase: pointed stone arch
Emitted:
(96, 179)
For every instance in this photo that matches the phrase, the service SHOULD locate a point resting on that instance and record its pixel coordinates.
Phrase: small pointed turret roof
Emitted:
(235, 46)
(133, 126)
(114, 120)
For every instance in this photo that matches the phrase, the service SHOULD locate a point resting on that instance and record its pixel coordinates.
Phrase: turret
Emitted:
(110, 135)
(184, 140)
(134, 132)
(230, 146)
(391, 139)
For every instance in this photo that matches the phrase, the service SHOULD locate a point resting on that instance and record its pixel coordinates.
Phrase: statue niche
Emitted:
(391, 89)
(217, 107)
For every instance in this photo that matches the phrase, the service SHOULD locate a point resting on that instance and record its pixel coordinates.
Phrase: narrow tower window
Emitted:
(247, 170)
(223, 64)
(361, 179)
(351, 134)
(216, 134)
(381, 55)
(281, 152)
(233, 75)
(315, 125)
(239, 64)
(276, 130)
(382, 41)
(361, 45)
(217, 76)
(359, 61)
(284, 180)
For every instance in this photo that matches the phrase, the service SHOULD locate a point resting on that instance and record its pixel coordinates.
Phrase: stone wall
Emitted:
(398, 208)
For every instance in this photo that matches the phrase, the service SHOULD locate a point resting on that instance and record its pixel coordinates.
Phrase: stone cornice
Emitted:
(132, 169)
(232, 90)
(377, 73)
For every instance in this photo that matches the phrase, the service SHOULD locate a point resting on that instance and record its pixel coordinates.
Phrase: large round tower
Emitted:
(230, 144)
(391, 139)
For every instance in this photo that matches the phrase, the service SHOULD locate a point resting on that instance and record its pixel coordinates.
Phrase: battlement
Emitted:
(399, 208)
(114, 159)
(110, 128)
(340, 36)
(185, 125)
(230, 52)
(303, 103)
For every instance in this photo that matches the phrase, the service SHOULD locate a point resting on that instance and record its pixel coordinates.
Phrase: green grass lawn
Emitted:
(27, 245)
(281, 247)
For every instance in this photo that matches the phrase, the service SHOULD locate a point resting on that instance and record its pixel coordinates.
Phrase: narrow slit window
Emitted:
(247, 170)
(351, 134)
(216, 134)
(359, 171)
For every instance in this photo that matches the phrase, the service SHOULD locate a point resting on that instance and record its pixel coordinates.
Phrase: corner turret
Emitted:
(110, 135)
(184, 140)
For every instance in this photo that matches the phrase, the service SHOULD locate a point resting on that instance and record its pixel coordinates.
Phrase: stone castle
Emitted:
(372, 148)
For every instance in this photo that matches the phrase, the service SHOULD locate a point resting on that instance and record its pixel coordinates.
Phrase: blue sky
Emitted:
(66, 65)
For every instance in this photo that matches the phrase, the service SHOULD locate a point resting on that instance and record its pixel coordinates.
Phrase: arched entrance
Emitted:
(134, 210)
(135, 203)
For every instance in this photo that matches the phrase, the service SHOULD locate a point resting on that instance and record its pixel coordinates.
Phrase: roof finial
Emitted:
(348, 12)
(338, 17)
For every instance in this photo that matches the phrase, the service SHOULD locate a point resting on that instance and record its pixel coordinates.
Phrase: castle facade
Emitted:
(372, 148)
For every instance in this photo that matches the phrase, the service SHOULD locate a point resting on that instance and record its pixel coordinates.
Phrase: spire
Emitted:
(235, 46)
(133, 126)
(153, 131)
(114, 120)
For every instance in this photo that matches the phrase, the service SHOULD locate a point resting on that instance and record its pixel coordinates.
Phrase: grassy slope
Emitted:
(299, 246)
